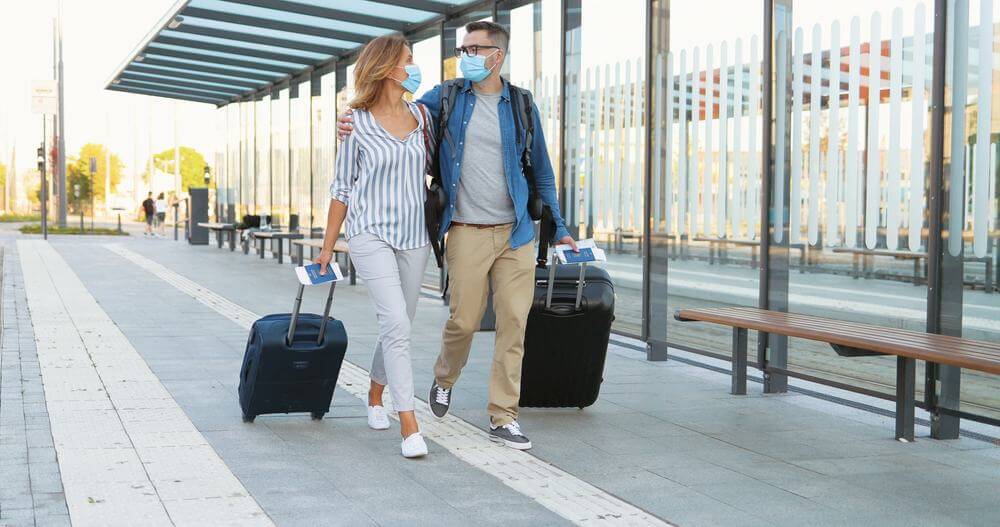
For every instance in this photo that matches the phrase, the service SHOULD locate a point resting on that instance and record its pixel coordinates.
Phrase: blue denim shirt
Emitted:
(451, 152)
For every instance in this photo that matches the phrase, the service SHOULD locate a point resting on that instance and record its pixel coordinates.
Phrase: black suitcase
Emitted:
(566, 338)
(292, 362)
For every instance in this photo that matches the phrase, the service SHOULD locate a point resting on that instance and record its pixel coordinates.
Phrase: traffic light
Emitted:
(41, 158)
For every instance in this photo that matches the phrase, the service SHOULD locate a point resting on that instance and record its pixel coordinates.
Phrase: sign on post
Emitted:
(44, 97)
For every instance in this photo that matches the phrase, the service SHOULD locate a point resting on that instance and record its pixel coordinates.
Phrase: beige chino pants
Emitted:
(478, 257)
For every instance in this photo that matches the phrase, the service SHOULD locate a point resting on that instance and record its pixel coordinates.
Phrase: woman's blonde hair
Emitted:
(377, 60)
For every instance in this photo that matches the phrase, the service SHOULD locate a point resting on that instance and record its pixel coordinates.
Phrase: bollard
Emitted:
(119, 223)
(175, 221)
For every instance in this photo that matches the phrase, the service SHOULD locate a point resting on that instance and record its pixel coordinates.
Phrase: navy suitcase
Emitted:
(292, 362)
(566, 338)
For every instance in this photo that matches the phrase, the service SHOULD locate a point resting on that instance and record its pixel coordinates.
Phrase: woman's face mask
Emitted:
(474, 66)
(412, 81)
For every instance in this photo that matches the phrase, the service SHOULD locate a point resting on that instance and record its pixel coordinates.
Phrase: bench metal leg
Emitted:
(350, 267)
(906, 370)
(739, 362)
(260, 247)
(988, 277)
(299, 253)
(232, 241)
(281, 249)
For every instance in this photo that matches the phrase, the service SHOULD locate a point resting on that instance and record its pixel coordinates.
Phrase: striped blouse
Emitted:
(381, 179)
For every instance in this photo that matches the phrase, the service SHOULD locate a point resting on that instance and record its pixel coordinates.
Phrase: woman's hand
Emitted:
(345, 124)
(324, 259)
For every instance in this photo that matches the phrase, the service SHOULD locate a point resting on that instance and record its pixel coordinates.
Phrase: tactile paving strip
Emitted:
(113, 421)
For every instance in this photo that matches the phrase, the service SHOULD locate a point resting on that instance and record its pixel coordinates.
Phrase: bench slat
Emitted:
(943, 349)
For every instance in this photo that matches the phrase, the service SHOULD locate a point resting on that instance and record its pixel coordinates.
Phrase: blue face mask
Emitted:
(474, 67)
(412, 81)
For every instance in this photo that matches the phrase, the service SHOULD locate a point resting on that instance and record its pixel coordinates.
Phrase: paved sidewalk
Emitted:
(664, 437)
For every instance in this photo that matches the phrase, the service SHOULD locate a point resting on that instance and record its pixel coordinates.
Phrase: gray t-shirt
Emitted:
(483, 197)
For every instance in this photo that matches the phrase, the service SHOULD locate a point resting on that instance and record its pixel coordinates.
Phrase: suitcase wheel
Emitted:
(248, 418)
(318, 415)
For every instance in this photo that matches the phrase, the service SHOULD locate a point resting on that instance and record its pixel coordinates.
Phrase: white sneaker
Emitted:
(378, 419)
(414, 446)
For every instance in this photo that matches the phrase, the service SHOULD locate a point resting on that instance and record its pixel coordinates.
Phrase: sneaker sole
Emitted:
(436, 416)
(511, 444)
(386, 427)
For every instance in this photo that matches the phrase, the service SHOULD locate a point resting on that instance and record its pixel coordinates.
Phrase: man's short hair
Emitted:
(497, 33)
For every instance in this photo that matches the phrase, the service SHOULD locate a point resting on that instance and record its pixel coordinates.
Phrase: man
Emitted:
(490, 232)
(149, 209)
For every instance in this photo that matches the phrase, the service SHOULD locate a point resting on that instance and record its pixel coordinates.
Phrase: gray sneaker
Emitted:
(439, 400)
(510, 435)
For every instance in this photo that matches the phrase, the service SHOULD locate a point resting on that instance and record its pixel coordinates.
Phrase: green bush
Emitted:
(15, 218)
(36, 228)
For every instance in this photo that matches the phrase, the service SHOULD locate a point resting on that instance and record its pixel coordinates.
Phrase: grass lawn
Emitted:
(36, 228)
(16, 218)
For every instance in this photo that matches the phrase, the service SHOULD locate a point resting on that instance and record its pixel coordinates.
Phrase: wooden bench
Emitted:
(274, 236)
(853, 339)
(866, 266)
(317, 243)
(219, 229)
(716, 246)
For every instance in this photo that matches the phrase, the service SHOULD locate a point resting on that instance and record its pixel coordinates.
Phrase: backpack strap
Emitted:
(428, 145)
(449, 91)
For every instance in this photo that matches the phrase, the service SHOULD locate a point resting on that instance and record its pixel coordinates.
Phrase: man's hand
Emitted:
(568, 240)
(345, 124)
(323, 260)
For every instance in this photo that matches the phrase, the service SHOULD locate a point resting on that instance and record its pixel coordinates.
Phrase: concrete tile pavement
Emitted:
(665, 437)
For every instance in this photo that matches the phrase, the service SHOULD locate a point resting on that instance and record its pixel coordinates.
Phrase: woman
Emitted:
(379, 188)
(161, 213)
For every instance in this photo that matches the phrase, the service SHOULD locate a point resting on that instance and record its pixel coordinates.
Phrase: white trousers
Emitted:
(393, 281)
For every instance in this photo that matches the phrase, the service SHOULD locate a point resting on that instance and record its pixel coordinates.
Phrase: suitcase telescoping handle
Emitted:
(298, 306)
(552, 279)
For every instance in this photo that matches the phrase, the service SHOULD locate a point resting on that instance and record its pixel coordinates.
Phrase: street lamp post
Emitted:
(208, 180)
(43, 198)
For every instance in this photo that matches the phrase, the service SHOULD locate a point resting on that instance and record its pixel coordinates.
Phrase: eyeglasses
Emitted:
(472, 50)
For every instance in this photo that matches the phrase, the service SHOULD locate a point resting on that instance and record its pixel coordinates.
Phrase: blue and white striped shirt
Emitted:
(381, 179)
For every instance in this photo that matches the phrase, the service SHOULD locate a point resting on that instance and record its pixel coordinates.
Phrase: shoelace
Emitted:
(442, 395)
(513, 428)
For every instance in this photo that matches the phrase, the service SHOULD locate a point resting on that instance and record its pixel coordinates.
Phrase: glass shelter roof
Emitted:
(216, 51)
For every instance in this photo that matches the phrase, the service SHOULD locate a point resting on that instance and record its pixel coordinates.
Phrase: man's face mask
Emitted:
(474, 66)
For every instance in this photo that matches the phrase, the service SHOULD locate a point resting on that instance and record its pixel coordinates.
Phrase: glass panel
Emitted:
(427, 55)
(851, 192)
(971, 306)
(384, 10)
(533, 61)
(605, 139)
(454, 31)
(209, 56)
(279, 158)
(233, 136)
(287, 16)
(236, 70)
(254, 119)
(704, 199)
(260, 197)
(301, 168)
(309, 56)
(265, 32)
(324, 145)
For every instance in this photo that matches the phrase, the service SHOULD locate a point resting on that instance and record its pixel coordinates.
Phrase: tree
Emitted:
(192, 166)
(78, 172)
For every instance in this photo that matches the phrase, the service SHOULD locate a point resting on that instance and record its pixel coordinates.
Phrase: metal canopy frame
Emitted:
(221, 51)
